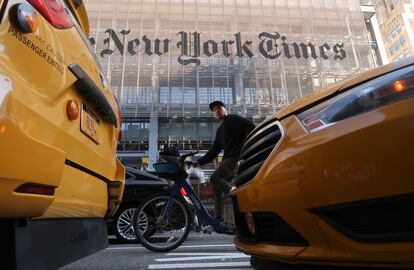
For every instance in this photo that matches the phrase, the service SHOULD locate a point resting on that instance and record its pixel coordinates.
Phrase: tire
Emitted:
(123, 228)
(162, 237)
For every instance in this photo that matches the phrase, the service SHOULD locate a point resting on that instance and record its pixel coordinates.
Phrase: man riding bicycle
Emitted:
(230, 135)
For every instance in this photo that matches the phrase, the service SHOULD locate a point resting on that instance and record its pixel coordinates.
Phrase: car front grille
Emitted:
(257, 147)
(271, 228)
(385, 219)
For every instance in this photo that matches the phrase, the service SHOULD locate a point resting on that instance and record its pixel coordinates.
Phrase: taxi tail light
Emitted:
(54, 12)
(384, 90)
(37, 189)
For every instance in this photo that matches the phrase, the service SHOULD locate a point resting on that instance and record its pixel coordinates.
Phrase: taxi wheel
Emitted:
(123, 229)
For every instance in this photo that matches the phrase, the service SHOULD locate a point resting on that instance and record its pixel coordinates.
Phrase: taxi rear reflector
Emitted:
(72, 109)
(37, 189)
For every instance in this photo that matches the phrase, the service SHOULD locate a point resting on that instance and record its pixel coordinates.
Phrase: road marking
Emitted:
(238, 268)
(193, 258)
(201, 254)
(198, 265)
(195, 246)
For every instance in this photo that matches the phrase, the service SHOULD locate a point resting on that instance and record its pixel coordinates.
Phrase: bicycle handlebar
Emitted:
(183, 157)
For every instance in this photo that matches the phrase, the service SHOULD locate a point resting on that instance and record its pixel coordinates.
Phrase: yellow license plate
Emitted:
(89, 124)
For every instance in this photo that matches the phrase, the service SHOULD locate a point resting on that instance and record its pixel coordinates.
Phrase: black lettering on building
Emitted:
(301, 50)
(131, 45)
(268, 44)
(92, 41)
(339, 51)
(323, 50)
(196, 44)
(210, 50)
(118, 44)
(225, 44)
(147, 45)
(165, 47)
(286, 50)
(186, 57)
(244, 47)
(271, 46)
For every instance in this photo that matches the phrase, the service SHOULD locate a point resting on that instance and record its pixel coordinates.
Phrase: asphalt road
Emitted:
(199, 251)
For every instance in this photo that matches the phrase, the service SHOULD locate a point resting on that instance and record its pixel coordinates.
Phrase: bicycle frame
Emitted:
(216, 223)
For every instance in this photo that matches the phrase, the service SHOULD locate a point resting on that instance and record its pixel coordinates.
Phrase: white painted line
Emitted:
(196, 246)
(238, 268)
(124, 248)
(194, 258)
(201, 246)
(198, 265)
(202, 254)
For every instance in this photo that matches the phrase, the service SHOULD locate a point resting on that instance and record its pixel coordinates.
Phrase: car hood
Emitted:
(143, 178)
(341, 86)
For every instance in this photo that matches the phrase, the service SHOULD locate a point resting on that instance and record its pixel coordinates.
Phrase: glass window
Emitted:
(402, 41)
(392, 50)
(164, 94)
(397, 45)
(136, 131)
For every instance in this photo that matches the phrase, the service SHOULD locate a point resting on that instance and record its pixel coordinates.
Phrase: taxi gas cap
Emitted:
(24, 17)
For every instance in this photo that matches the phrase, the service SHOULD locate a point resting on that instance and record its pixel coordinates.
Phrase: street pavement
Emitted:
(199, 251)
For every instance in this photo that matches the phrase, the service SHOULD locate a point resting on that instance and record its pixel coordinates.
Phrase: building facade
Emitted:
(396, 21)
(374, 34)
(166, 60)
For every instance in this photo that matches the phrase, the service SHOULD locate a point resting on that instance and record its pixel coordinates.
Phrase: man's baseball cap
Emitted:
(216, 103)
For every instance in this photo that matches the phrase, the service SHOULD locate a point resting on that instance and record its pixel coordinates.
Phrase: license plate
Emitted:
(89, 124)
(228, 214)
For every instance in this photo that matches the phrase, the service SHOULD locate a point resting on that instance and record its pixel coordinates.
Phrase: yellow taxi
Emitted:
(59, 127)
(329, 180)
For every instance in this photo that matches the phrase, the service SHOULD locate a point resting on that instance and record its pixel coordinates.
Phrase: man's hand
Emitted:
(195, 164)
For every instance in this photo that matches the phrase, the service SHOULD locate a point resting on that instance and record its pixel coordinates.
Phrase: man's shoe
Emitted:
(207, 229)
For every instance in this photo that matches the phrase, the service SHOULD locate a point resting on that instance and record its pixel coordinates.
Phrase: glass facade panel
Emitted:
(170, 58)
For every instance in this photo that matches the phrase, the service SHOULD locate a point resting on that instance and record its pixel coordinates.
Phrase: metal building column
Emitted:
(238, 91)
(153, 140)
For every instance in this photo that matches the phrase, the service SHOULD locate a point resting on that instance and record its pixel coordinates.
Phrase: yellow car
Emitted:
(59, 127)
(329, 180)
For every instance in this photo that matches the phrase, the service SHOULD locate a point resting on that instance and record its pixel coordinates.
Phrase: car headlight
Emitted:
(386, 89)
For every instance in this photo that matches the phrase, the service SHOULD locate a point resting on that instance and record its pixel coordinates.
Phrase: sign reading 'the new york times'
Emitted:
(271, 46)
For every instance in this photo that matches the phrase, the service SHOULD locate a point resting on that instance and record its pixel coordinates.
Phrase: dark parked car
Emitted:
(138, 186)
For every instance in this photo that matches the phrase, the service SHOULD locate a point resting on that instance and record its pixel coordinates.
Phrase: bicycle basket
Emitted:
(166, 169)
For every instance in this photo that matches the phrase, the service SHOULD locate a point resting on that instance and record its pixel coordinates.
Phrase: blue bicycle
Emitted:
(163, 221)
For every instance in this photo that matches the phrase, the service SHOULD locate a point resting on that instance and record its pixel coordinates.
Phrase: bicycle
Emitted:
(167, 221)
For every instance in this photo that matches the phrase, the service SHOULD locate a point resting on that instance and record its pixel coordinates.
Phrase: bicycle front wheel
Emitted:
(162, 235)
